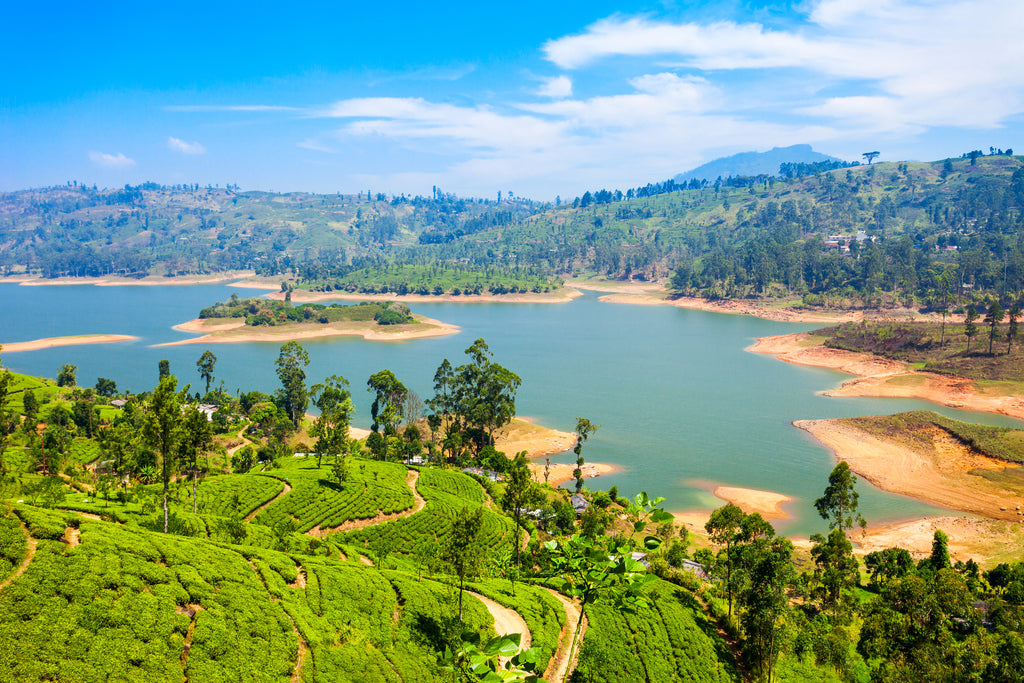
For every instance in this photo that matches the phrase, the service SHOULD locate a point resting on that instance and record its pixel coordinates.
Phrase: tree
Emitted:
(164, 367)
(836, 569)
(518, 494)
(205, 366)
(592, 569)
(1011, 333)
(6, 380)
(486, 394)
(66, 375)
(838, 505)
(970, 326)
(766, 602)
(994, 316)
(463, 550)
(161, 428)
(388, 404)
(870, 156)
(330, 428)
(723, 527)
(939, 559)
(584, 428)
(291, 370)
(195, 440)
(106, 387)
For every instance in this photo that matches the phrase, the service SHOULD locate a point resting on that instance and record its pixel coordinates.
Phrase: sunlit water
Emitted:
(682, 406)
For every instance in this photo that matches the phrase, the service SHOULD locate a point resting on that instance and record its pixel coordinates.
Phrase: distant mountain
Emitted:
(755, 163)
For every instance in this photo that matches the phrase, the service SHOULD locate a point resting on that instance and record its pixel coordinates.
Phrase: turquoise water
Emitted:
(682, 406)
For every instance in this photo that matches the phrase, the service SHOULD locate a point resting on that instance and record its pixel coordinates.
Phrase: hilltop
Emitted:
(756, 163)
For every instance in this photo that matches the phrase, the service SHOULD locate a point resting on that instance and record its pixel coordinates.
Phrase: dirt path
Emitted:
(261, 508)
(418, 504)
(29, 554)
(303, 645)
(72, 536)
(506, 620)
(245, 441)
(559, 667)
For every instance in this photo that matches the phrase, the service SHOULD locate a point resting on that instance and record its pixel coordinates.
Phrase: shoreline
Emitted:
(879, 377)
(562, 472)
(304, 296)
(221, 334)
(945, 478)
(114, 281)
(73, 340)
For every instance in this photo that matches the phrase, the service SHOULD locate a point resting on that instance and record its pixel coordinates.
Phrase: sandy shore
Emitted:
(235, 331)
(944, 474)
(660, 297)
(767, 503)
(152, 280)
(51, 342)
(302, 296)
(523, 435)
(561, 473)
(884, 378)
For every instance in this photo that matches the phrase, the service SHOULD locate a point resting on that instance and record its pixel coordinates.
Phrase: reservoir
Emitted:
(682, 406)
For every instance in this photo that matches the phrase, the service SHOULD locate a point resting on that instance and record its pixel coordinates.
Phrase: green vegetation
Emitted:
(870, 236)
(1002, 443)
(436, 280)
(315, 500)
(264, 573)
(427, 531)
(933, 347)
(669, 639)
(267, 312)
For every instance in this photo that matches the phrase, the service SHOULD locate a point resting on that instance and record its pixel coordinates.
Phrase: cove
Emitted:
(682, 406)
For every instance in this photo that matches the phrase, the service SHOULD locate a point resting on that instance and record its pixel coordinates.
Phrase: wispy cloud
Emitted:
(118, 160)
(191, 148)
(944, 62)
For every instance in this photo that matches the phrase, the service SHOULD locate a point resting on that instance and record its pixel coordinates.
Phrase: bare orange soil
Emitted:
(51, 342)
(946, 474)
(219, 331)
(884, 378)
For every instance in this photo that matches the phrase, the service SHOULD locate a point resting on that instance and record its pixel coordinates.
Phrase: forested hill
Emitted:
(910, 229)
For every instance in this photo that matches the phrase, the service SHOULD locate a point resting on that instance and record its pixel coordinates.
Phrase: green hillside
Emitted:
(347, 565)
(909, 233)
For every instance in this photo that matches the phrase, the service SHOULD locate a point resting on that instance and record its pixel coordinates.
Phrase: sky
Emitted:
(538, 99)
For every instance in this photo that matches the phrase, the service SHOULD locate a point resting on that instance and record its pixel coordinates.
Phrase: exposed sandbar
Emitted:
(946, 474)
(562, 472)
(523, 435)
(50, 342)
(234, 331)
(767, 503)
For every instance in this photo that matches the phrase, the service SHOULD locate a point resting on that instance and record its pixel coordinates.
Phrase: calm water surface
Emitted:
(681, 405)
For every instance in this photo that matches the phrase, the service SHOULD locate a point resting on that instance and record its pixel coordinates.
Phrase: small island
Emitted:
(257, 319)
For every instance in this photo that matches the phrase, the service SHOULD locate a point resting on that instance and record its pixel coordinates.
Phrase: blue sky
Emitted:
(538, 99)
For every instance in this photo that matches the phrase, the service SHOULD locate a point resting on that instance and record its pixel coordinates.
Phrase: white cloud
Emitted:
(557, 87)
(110, 160)
(942, 62)
(191, 148)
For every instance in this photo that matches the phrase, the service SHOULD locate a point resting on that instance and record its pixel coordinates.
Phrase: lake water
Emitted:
(682, 406)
